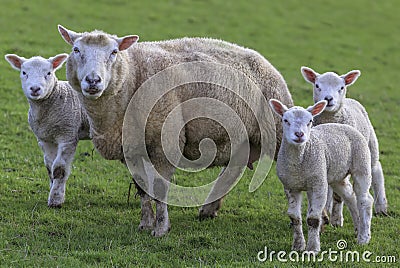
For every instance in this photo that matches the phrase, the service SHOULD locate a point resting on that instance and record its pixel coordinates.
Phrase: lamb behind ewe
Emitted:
(332, 87)
(55, 116)
(311, 158)
(108, 71)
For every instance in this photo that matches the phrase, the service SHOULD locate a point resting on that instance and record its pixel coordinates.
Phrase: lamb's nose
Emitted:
(299, 134)
(34, 89)
(329, 99)
(93, 80)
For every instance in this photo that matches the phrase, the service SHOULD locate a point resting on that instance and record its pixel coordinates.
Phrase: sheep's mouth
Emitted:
(35, 94)
(298, 140)
(92, 91)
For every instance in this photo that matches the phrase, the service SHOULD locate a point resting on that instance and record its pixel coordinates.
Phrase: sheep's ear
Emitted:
(350, 77)
(309, 74)
(127, 41)
(15, 61)
(317, 108)
(68, 35)
(277, 107)
(58, 61)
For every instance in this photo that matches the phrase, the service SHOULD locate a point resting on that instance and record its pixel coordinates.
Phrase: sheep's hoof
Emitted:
(53, 205)
(55, 201)
(337, 221)
(299, 245)
(160, 231)
(210, 211)
(381, 210)
(146, 225)
(204, 215)
(363, 239)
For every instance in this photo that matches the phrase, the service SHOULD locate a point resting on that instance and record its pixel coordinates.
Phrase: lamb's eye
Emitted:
(287, 122)
(76, 50)
(316, 85)
(49, 73)
(23, 73)
(341, 88)
(114, 52)
(309, 123)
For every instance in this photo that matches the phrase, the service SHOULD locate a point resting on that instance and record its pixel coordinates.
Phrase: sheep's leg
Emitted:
(345, 190)
(378, 181)
(317, 199)
(147, 218)
(210, 210)
(160, 191)
(60, 171)
(50, 153)
(294, 213)
(364, 205)
(224, 183)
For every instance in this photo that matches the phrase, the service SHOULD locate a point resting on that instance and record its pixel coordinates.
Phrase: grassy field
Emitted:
(96, 227)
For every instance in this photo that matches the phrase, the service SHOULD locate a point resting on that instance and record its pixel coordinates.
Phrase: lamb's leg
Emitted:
(50, 153)
(364, 205)
(294, 213)
(345, 190)
(224, 183)
(317, 199)
(147, 218)
(60, 170)
(210, 210)
(378, 181)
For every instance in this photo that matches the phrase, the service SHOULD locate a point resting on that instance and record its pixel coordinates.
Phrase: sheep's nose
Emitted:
(93, 80)
(299, 134)
(329, 99)
(35, 89)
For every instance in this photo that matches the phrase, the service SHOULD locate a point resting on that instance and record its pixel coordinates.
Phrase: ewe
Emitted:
(311, 158)
(108, 71)
(332, 88)
(55, 116)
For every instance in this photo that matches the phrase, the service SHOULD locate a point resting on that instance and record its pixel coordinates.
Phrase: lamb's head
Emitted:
(93, 58)
(37, 74)
(297, 121)
(330, 86)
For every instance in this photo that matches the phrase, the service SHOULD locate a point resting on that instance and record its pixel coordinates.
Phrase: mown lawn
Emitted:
(96, 227)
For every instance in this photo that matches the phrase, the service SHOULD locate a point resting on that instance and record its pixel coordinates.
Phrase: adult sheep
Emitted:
(108, 71)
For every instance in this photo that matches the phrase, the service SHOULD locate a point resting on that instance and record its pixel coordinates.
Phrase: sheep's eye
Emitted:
(341, 88)
(23, 73)
(287, 122)
(309, 123)
(76, 50)
(316, 85)
(114, 52)
(49, 73)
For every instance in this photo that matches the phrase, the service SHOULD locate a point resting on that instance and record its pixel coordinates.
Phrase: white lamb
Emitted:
(311, 158)
(108, 71)
(332, 88)
(55, 116)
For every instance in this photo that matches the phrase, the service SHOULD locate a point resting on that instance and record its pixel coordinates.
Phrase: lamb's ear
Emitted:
(68, 35)
(277, 107)
(309, 74)
(317, 108)
(57, 61)
(15, 61)
(350, 77)
(127, 41)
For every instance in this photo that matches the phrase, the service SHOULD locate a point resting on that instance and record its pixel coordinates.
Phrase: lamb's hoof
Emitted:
(146, 226)
(363, 239)
(381, 210)
(299, 245)
(337, 221)
(55, 202)
(160, 231)
(203, 215)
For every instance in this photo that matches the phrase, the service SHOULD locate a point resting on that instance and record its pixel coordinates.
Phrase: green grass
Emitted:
(96, 227)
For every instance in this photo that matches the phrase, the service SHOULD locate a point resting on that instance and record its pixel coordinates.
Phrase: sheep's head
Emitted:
(93, 58)
(297, 121)
(37, 74)
(330, 86)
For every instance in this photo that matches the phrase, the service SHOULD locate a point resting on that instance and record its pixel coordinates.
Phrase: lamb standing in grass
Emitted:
(332, 88)
(55, 117)
(107, 71)
(311, 158)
